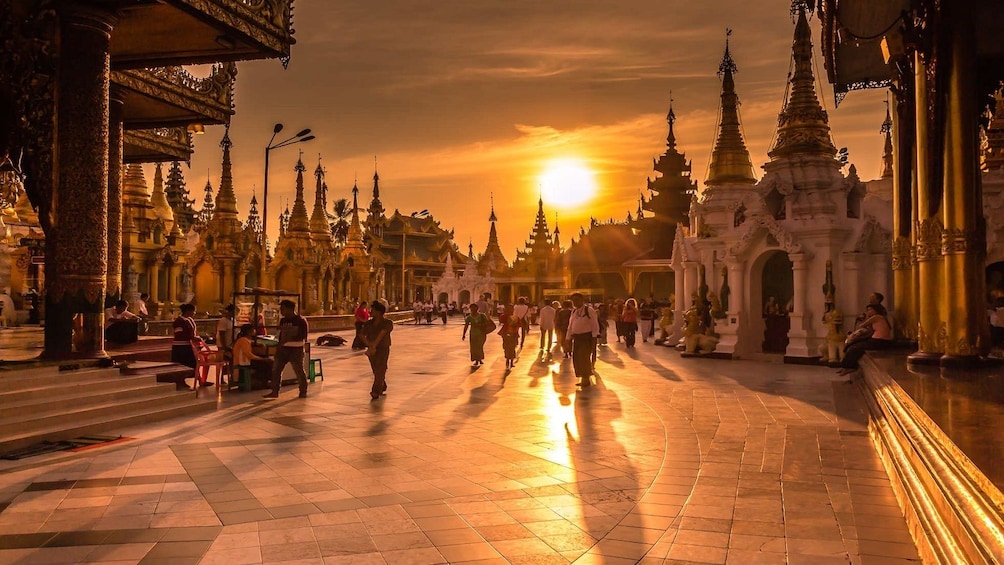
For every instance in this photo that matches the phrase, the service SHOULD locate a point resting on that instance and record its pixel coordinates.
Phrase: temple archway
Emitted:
(995, 280)
(465, 297)
(443, 298)
(773, 283)
(659, 285)
(207, 287)
(612, 283)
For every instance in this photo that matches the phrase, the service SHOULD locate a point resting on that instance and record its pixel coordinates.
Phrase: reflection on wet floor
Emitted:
(967, 404)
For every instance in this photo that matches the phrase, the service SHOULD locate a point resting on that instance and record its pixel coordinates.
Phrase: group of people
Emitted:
(872, 331)
(423, 312)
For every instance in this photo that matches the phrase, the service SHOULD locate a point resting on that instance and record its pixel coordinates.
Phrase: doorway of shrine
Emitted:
(995, 281)
(612, 284)
(777, 289)
(465, 297)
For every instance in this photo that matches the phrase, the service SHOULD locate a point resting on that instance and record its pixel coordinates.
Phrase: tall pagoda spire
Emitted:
(493, 252)
(206, 213)
(803, 126)
(298, 221)
(319, 229)
(159, 200)
(557, 234)
(226, 200)
(730, 160)
(671, 119)
(254, 218)
(178, 198)
(375, 209)
(540, 239)
(355, 229)
(887, 160)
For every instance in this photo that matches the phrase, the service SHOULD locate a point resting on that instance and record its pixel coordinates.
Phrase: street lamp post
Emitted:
(303, 135)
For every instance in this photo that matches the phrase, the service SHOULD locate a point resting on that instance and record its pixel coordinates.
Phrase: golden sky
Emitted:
(458, 100)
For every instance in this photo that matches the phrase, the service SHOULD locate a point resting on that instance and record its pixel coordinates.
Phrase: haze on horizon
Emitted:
(457, 101)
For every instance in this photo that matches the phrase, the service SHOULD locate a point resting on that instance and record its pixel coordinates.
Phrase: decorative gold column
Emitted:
(904, 299)
(228, 282)
(173, 274)
(153, 279)
(113, 290)
(930, 266)
(76, 244)
(964, 238)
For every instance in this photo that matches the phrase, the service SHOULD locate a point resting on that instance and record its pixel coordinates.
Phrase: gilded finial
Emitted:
(492, 217)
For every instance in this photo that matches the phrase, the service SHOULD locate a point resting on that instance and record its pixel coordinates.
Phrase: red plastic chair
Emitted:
(206, 359)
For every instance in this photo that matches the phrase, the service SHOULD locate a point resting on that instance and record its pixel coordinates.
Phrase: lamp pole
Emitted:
(300, 137)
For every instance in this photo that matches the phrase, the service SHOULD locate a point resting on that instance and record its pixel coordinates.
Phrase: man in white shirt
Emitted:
(583, 328)
(225, 331)
(546, 321)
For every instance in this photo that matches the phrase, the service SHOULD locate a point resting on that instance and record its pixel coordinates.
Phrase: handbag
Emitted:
(487, 325)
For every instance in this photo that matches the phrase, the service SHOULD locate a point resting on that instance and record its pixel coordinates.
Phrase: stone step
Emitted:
(77, 410)
(51, 376)
(181, 404)
(33, 404)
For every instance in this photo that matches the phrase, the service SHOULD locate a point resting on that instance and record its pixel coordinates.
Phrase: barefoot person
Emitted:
(376, 336)
(478, 325)
(881, 338)
(292, 339)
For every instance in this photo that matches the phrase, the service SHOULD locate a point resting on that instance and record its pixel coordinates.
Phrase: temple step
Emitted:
(55, 406)
(955, 513)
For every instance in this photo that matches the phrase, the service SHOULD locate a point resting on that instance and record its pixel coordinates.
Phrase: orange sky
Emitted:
(458, 100)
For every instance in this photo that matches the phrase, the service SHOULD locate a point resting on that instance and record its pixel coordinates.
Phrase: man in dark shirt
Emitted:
(292, 339)
(184, 333)
(376, 336)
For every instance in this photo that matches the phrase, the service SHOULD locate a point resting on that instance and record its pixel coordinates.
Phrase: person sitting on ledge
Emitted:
(121, 325)
(880, 338)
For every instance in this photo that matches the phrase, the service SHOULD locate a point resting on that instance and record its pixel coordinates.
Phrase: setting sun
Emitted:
(567, 182)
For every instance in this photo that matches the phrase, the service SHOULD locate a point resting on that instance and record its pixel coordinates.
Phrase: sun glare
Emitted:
(567, 182)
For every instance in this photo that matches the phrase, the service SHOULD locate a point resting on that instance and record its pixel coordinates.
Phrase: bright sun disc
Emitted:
(567, 182)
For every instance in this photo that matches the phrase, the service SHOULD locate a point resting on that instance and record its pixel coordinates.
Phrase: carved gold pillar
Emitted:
(173, 274)
(76, 245)
(154, 279)
(904, 299)
(964, 238)
(113, 290)
(227, 282)
(929, 228)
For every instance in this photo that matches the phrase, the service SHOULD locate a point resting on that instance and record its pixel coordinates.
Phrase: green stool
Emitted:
(243, 379)
(316, 370)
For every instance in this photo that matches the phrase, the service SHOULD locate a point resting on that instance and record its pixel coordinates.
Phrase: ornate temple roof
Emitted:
(226, 200)
(160, 204)
(730, 160)
(605, 246)
(493, 258)
(178, 198)
(671, 191)
(319, 228)
(803, 126)
(298, 221)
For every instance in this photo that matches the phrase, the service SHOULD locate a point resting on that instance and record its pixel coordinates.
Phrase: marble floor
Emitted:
(664, 460)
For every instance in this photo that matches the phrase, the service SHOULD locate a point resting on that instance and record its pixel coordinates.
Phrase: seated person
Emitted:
(121, 325)
(244, 356)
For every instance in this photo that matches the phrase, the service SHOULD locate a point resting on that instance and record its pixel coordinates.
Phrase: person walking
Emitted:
(225, 332)
(510, 327)
(629, 321)
(522, 313)
(444, 312)
(361, 315)
(480, 326)
(583, 328)
(545, 317)
(561, 320)
(646, 318)
(376, 334)
(184, 333)
(292, 340)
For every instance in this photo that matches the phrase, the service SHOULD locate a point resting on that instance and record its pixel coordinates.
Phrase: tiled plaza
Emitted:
(666, 460)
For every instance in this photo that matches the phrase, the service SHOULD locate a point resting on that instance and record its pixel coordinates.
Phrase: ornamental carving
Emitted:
(176, 142)
(902, 253)
(874, 238)
(268, 21)
(211, 97)
(929, 234)
(754, 226)
(932, 342)
(962, 242)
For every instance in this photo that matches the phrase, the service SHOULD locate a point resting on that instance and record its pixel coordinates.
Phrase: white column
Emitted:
(798, 337)
(730, 329)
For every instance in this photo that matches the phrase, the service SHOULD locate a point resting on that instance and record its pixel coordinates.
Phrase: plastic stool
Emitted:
(316, 370)
(243, 379)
